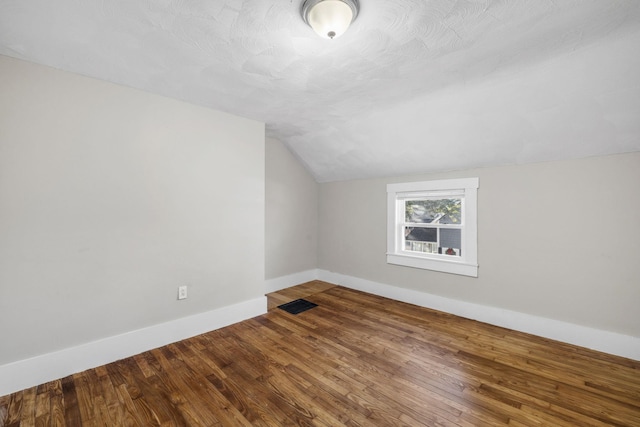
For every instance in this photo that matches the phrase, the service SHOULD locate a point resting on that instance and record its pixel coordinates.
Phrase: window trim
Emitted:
(467, 265)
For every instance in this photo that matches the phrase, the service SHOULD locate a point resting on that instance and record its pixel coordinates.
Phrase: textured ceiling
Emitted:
(414, 86)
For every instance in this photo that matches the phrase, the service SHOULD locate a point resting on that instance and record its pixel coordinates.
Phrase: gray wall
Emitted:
(291, 214)
(110, 198)
(558, 240)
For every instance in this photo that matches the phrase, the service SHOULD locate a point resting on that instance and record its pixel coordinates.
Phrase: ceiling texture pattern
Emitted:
(414, 86)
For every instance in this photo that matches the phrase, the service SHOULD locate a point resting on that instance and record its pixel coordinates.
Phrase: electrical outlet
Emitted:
(182, 292)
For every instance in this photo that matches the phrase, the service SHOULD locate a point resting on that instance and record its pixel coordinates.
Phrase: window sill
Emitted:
(442, 265)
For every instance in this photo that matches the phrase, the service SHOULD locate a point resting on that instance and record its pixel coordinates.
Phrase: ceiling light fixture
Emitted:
(329, 18)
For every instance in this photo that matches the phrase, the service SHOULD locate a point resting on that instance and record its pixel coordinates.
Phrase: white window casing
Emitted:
(466, 260)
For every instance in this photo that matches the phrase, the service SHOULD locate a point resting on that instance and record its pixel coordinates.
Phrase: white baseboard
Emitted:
(595, 339)
(28, 373)
(273, 285)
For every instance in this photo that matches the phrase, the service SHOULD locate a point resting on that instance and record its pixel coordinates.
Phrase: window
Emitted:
(433, 225)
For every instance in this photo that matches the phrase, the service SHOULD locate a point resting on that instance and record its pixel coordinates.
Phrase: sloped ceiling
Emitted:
(414, 86)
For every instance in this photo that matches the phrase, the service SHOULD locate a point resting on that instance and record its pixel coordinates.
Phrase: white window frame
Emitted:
(467, 189)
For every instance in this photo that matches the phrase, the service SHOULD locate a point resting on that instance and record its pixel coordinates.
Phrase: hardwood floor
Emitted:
(304, 290)
(355, 360)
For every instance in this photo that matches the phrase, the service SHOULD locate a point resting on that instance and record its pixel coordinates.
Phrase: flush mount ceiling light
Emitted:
(329, 18)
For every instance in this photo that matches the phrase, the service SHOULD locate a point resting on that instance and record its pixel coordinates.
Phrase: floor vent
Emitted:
(297, 306)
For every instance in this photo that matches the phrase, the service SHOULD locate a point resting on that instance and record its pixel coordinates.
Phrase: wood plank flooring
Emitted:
(355, 360)
(304, 290)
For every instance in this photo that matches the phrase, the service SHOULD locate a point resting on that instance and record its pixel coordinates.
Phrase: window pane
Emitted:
(451, 241)
(434, 211)
(419, 239)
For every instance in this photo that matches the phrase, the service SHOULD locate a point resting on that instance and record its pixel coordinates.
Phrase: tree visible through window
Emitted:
(428, 210)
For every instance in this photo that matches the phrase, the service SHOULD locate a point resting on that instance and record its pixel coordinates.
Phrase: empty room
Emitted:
(319, 213)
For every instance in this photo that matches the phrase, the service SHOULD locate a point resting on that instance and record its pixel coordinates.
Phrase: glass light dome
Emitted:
(329, 18)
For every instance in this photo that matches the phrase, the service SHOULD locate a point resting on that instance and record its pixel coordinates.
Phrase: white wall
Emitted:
(110, 198)
(557, 241)
(291, 215)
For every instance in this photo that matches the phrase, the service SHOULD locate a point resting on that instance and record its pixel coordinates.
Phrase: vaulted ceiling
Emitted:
(414, 86)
